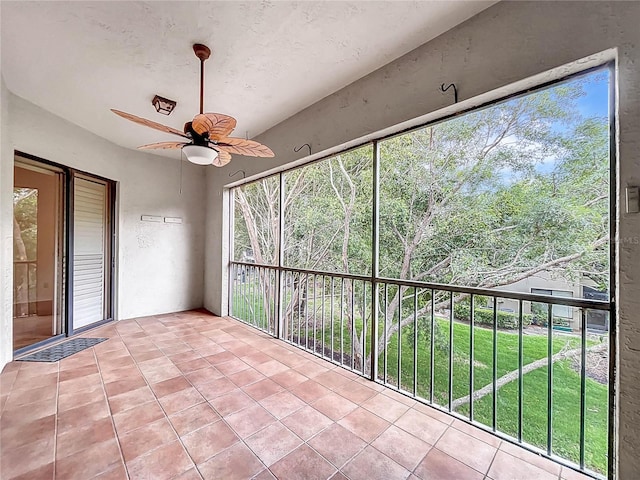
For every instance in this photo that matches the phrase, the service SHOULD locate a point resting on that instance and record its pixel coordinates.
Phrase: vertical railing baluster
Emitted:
(364, 328)
(286, 295)
(415, 341)
(240, 294)
(290, 303)
(254, 294)
(263, 297)
(549, 378)
(261, 292)
(384, 333)
(353, 322)
(520, 361)
(306, 312)
(342, 321)
(583, 381)
(287, 305)
(314, 345)
(231, 286)
(259, 311)
(257, 301)
(331, 313)
(322, 296)
(494, 419)
(234, 292)
(232, 289)
(472, 311)
(400, 293)
(300, 303)
(432, 347)
(246, 301)
(450, 351)
(250, 296)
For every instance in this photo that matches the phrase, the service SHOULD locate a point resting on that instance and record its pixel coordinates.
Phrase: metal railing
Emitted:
(458, 349)
(254, 295)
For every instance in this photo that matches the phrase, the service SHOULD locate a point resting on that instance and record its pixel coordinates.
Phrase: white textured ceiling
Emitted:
(269, 59)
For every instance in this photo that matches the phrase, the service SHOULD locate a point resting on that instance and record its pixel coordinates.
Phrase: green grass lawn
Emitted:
(566, 388)
(247, 305)
(566, 381)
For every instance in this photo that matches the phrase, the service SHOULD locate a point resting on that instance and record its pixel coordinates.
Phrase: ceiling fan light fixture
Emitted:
(163, 105)
(200, 155)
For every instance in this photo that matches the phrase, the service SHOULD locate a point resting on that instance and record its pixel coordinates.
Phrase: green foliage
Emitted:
(484, 316)
(481, 199)
(25, 213)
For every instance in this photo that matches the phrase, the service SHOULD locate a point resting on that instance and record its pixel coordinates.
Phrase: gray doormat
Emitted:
(62, 350)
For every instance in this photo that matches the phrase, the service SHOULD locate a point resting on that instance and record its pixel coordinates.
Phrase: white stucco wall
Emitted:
(6, 230)
(160, 266)
(506, 43)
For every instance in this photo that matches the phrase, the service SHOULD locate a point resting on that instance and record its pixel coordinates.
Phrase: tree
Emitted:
(484, 199)
(25, 244)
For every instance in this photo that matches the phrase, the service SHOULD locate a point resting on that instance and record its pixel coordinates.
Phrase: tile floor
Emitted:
(191, 395)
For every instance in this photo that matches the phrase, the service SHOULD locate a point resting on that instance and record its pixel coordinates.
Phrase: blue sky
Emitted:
(594, 103)
(596, 100)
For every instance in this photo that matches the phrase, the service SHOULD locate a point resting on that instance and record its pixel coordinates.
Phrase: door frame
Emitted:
(67, 263)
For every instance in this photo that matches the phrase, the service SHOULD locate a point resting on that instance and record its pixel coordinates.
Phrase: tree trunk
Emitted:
(530, 367)
(20, 274)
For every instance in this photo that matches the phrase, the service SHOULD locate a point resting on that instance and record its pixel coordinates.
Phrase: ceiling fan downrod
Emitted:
(203, 53)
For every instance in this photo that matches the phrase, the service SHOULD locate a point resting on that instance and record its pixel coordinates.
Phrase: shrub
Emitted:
(484, 316)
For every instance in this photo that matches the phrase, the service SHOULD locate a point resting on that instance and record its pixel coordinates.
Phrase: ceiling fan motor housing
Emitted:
(195, 136)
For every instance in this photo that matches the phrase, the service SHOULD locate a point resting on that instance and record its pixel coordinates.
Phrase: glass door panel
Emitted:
(38, 250)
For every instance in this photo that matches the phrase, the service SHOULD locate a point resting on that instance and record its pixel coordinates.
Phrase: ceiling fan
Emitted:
(205, 138)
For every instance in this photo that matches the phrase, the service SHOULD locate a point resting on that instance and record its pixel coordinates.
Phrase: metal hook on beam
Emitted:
(297, 149)
(244, 175)
(455, 90)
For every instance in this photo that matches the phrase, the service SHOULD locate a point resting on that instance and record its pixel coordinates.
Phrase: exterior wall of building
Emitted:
(543, 281)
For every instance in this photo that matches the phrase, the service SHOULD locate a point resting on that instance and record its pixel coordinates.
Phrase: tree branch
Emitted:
(513, 375)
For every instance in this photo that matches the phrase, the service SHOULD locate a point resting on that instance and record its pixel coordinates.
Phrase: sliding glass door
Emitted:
(62, 251)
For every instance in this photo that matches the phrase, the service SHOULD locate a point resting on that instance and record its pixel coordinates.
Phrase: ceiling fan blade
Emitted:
(222, 159)
(149, 123)
(241, 146)
(163, 146)
(217, 124)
